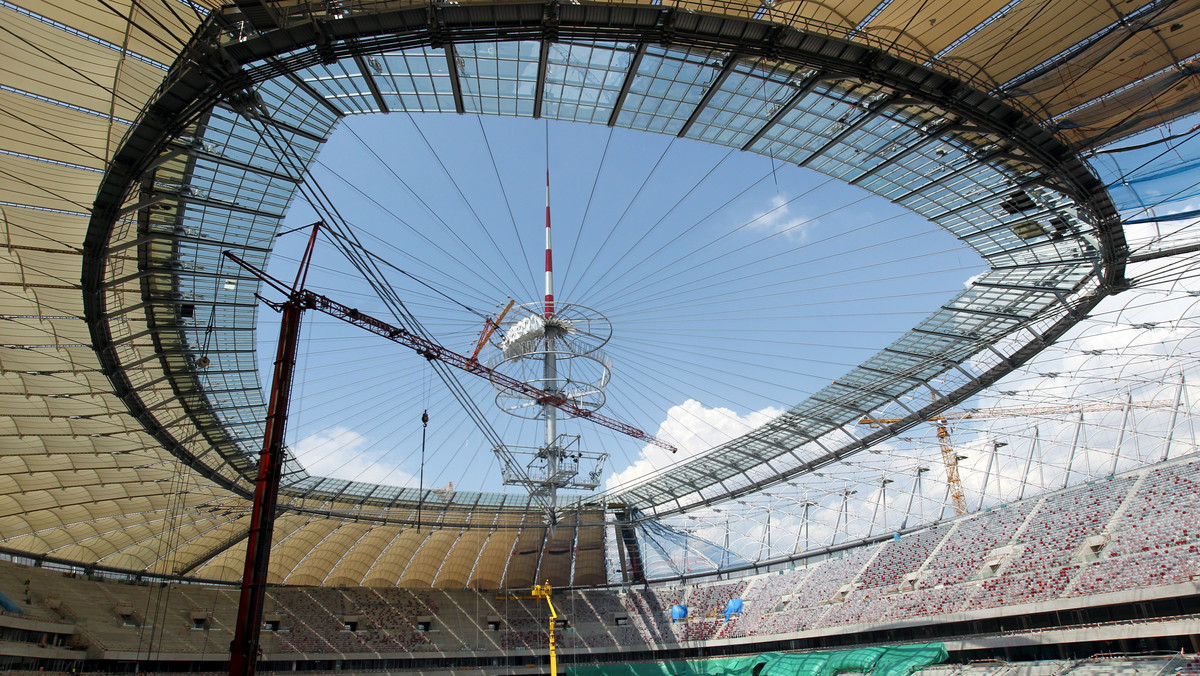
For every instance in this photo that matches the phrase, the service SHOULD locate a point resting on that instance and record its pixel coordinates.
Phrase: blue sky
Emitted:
(736, 286)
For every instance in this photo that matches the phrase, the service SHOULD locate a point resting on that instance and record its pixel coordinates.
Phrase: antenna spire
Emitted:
(549, 260)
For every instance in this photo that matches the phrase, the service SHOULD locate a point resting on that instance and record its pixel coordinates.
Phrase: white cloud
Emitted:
(693, 428)
(341, 453)
(780, 220)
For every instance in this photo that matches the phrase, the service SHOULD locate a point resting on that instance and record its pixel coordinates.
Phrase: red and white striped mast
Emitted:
(552, 450)
(570, 335)
(549, 258)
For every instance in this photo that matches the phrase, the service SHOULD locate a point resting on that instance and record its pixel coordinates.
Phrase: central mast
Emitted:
(552, 449)
(549, 256)
(554, 349)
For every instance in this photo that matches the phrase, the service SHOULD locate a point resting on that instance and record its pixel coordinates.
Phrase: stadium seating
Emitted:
(1131, 532)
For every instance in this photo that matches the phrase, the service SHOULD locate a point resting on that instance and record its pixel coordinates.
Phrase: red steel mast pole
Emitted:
(243, 651)
(243, 654)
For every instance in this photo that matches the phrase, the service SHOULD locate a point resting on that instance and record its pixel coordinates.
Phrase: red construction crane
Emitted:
(244, 648)
(429, 349)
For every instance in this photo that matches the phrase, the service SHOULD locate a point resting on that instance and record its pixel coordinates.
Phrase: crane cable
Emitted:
(369, 268)
(386, 263)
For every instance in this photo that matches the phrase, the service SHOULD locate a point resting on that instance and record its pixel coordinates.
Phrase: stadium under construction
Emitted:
(295, 377)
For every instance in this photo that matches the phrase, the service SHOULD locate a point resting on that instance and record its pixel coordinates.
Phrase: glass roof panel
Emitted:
(415, 80)
(499, 78)
(340, 84)
(667, 88)
(744, 104)
(584, 80)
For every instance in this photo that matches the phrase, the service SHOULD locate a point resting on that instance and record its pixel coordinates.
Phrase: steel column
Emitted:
(243, 655)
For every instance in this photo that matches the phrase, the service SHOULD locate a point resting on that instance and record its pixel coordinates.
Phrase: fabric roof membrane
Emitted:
(55, 476)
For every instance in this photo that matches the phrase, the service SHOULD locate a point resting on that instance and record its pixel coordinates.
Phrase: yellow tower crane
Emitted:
(950, 456)
(542, 591)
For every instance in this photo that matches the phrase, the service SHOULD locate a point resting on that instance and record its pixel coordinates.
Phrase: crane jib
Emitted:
(432, 350)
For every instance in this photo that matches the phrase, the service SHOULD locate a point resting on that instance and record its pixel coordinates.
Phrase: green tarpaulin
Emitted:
(877, 661)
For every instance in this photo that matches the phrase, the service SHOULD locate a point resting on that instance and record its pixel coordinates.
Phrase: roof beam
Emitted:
(927, 358)
(891, 374)
(197, 302)
(634, 64)
(835, 404)
(805, 89)
(260, 14)
(222, 204)
(890, 397)
(961, 337)
(145, 203)
(986, 313)
(904, 152)
(974, 163)
(539, 94)
(730, 62)
(214, 551)
(174, 272)
(365, 70)
(850, 129)
(316, 96)
(279, 124)
(1019, 287)
(185, 239)
(455, 84)
(200, 153)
